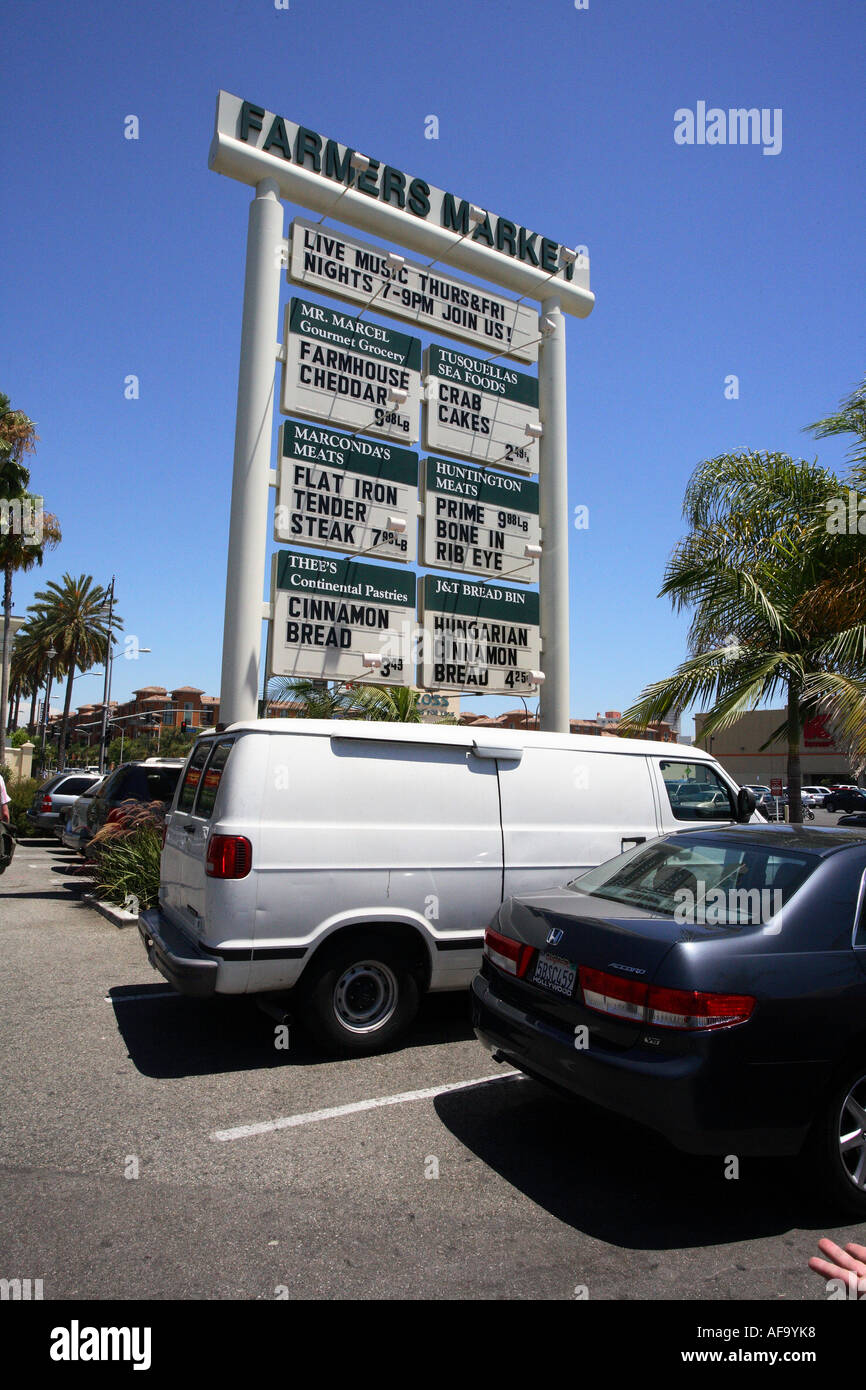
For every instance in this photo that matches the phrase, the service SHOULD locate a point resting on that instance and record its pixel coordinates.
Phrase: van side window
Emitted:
(192, 776)
(696, 792)
(209, 785)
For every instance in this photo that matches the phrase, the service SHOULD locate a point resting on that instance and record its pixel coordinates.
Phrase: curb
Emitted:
(116, 915)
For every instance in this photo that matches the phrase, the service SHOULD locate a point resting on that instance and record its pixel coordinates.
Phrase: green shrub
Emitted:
(126, 853)
(21, 796)
(129, 864)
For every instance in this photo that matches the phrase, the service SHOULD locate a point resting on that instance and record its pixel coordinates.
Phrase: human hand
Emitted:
(841, 1264)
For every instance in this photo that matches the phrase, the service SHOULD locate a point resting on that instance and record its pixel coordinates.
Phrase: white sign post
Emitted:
(479, 522)
(322, 258)
(480, 410)
(340, 620)
(478, 637)
(349, 372)
(339, 492)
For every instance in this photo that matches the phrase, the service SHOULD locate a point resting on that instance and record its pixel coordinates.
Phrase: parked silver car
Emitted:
(76, 832)
(55, 797)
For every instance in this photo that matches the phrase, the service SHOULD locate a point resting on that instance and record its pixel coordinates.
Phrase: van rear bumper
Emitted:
(174, 955)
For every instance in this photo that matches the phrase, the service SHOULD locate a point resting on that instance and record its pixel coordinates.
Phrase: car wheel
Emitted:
(838, 1147)
(359, 996)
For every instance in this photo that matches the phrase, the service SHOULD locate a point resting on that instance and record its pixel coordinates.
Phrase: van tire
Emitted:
(359, 995)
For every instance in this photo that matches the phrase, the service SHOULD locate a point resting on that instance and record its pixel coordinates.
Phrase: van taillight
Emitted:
(114, 816)
(229, 856)
(691, 1009)
(511, 956)
(46, 803)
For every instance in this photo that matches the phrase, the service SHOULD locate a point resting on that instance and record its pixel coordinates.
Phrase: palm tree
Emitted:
(850, 418)
(17, 438)
(391, 703)
(318, 699)
(747, 567)
(19, 552)
(74, 615)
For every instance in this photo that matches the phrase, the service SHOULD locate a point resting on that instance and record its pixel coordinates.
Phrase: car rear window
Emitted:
(146, 784)
(701, 882)
(74, 786)
(212, 777)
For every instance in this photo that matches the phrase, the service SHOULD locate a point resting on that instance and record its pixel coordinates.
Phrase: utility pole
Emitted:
(106, 694)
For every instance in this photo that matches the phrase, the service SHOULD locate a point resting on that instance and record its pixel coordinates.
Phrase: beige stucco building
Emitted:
(739, 750)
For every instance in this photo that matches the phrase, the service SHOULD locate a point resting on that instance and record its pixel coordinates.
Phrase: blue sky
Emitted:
(126, 257)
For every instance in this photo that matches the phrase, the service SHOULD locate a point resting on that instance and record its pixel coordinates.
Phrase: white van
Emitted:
(358, 864)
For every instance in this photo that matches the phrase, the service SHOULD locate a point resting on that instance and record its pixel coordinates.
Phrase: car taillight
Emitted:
(46, 803)
(511, 956)
(690, 1009)
(228, 856)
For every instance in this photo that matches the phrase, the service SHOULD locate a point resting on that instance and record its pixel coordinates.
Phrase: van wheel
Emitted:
(360, 996)
(837, 1147)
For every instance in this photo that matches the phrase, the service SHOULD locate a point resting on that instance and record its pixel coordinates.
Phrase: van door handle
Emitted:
(189, 829)
(631, 842)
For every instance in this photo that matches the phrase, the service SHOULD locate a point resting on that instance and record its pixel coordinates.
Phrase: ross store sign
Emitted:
(479, 522)
(349, 372)
(480, 410)
(324, 259)
(329, 617)
(339, 492)
(478, 636)
(252, 144)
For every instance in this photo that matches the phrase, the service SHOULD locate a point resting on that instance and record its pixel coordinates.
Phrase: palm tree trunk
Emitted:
(31, 723)
(4, 657)
(795, 772)
(61, 751)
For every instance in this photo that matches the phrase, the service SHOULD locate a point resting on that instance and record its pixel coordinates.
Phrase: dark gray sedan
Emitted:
(710, 985)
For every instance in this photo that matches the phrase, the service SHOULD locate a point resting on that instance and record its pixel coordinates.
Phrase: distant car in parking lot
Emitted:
(55, 797)
(732, 1029)
(819, 793)
(848, 799)
(153, 779)
(855, 818)
(75, 832)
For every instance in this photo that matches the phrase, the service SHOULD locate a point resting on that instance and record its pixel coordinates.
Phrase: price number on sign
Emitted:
(515, 451)
(391, 417)
(520, 523)
(390, 538)
(513, 678)
(388, 666)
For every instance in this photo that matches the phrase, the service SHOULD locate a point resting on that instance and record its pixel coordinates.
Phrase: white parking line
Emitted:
(314, 1116)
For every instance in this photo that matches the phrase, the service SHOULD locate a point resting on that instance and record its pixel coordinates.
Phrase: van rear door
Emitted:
(182, 872)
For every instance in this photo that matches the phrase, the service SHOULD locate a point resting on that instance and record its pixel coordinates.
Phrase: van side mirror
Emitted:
(746, 804)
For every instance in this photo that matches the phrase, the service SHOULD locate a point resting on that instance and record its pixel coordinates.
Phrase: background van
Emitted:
(358, 863)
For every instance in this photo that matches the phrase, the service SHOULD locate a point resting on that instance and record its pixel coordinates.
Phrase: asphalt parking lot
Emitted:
(157, 1147)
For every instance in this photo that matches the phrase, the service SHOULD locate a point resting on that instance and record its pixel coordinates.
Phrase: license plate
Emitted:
(552, 972)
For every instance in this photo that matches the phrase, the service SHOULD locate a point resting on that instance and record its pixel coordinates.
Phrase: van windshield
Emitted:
(702, 883)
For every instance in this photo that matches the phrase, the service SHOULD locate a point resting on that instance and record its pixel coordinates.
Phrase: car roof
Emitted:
(816, 839)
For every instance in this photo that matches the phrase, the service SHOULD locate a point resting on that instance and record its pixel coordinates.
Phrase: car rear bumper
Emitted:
(175, 956)
(700, 1106)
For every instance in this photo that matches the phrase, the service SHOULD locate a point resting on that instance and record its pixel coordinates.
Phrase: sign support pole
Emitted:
(555, 534)
(248, 525)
